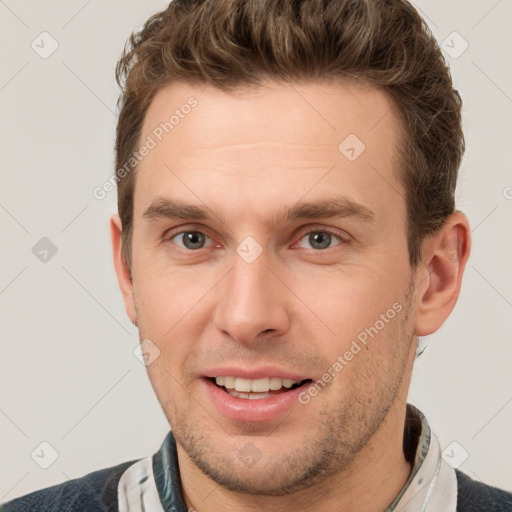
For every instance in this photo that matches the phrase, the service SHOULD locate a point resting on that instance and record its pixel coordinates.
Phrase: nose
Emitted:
(253, 302)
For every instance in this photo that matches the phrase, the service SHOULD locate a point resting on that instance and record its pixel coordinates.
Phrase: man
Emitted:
(286, 231)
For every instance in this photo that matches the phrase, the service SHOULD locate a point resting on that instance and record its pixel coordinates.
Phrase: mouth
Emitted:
(256, 389)
(255, 395)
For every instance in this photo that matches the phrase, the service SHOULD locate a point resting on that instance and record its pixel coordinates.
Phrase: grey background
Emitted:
(67, 369)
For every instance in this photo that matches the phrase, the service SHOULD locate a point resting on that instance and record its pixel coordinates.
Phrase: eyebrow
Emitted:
(338, 207)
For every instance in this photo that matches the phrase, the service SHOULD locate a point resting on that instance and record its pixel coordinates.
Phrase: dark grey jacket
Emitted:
(97, 492)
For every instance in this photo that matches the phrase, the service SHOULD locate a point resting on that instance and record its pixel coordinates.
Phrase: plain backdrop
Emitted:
(69, 377)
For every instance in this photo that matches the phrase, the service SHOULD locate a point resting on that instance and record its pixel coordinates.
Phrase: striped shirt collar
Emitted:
(153, 483)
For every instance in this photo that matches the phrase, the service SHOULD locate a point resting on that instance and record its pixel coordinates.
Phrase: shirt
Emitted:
(152, 484)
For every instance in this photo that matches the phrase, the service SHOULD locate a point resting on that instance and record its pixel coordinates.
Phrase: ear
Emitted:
(444, 257)
(123, 274)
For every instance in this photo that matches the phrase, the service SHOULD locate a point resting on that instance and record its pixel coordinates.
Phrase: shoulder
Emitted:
(94, 492)
(473, 496)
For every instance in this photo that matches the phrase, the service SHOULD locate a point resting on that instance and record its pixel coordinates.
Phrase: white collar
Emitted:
(431, 486)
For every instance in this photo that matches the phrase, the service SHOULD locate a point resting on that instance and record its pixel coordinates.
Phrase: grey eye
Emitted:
(191, 239)
(319, 239)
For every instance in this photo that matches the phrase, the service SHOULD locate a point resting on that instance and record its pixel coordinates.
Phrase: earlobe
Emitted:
(445, 254)
(124, 277)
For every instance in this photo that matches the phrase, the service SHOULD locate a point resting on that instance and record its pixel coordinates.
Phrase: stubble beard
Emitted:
(343, 428)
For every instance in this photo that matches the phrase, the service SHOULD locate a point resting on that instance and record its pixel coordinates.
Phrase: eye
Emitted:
(191, 240)
(319, 239)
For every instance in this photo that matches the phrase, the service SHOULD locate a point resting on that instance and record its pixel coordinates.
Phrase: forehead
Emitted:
(308, 113)
(269, 143)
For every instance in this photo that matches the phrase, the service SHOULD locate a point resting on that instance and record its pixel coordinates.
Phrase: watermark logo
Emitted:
(454, 45)
(249, 454)
(455, 454)
(352, 147)
(147, 352)
(44, 45)
(44, 250)
(249, 249)
(44, 455)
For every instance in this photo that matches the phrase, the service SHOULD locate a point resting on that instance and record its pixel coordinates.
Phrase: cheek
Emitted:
(168, 389)
(348, 304)
(167, 314)
(165, 298)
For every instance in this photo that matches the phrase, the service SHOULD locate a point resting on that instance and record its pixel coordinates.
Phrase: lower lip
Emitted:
(258, 410)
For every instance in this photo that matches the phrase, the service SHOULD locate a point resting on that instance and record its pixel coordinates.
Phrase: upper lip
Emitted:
(254, 373)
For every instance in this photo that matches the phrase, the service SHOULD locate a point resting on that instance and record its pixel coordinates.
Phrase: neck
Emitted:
(371, 482)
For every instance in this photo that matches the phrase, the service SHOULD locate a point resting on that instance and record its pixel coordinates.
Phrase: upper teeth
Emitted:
(255, 385)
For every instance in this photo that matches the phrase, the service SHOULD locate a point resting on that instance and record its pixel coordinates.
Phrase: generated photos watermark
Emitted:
(157, 135)
(355, 348)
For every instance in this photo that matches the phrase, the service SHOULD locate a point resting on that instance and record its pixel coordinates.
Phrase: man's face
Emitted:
(267, 286)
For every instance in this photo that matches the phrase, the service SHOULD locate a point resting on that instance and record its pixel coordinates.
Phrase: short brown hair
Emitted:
(236, 43)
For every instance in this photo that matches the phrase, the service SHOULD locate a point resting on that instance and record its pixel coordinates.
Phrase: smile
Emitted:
(256, 389)
(253, 400)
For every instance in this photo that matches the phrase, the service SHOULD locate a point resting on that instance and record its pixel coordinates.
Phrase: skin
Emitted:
(247, 155)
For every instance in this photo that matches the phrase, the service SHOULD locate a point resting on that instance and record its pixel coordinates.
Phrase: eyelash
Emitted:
(342, 240)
